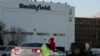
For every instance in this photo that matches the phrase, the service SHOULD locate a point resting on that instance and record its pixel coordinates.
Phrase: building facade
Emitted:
(87, 30)
(43, 19)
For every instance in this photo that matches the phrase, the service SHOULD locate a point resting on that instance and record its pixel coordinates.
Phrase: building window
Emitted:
(70, 19)
(43, 34)
(58, 34)
(27, 33)
(70, 11)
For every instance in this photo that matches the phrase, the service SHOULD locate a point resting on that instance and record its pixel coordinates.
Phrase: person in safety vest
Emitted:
(45, 50)
(52, 44)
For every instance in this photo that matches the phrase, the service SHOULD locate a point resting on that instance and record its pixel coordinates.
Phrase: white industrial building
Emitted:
(44, 19)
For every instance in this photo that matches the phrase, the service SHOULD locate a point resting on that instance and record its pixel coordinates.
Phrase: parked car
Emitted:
(7, 51)
(95, 51)
(2, 49)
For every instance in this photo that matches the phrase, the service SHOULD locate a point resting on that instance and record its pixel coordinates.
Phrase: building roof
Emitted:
(87, 17)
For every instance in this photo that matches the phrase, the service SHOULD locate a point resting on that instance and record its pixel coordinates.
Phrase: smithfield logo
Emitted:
(36, 7)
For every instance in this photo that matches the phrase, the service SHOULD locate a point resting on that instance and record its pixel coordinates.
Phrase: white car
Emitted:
(29, 49)
(95, 51)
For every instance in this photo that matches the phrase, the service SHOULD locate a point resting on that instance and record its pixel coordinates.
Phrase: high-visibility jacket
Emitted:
(45, 50)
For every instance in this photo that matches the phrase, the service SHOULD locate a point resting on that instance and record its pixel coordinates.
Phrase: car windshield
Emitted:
(31, 44)
(2, 48)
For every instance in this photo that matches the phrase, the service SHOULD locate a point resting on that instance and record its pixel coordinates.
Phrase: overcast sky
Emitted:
(83, 8)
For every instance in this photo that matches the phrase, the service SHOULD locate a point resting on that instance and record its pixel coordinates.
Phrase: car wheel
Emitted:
(4, 55)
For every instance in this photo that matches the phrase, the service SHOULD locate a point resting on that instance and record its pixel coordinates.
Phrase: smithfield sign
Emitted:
(36, 7)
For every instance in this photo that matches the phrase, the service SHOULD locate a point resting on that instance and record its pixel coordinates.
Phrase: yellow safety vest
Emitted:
(45, 50)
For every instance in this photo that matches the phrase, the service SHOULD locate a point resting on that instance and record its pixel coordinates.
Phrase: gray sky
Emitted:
(83, 8)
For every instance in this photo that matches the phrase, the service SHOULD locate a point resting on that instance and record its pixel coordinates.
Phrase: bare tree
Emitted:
(16, 35)
(20, 37)
(2, 26)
